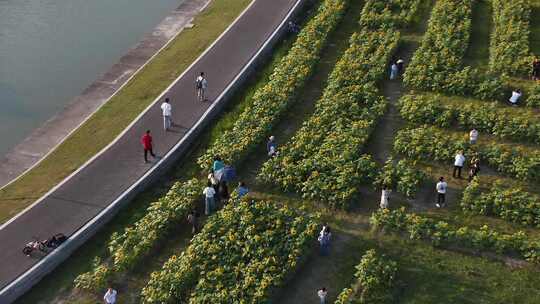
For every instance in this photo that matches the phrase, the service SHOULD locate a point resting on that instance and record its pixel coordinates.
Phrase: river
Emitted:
(50, 50)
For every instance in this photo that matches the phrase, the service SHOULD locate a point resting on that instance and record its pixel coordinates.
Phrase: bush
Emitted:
(509, 203)
(440, 233)
(243, 252)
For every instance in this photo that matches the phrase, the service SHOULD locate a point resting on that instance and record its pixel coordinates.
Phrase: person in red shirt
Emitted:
(146, 141)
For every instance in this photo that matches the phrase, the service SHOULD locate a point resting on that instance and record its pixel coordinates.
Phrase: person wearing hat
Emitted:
(271, 146)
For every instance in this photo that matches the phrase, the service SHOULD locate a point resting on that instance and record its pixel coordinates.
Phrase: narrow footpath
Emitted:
(94, 188)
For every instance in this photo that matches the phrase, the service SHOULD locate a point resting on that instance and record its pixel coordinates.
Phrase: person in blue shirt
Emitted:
(242, 189)
(218, 164)
(271, 146)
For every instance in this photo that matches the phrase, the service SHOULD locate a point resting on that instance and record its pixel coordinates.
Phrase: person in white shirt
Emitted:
(166, 110)
(458, 164)
(110, 296)
(473, 136)
(514, 99)
(322, 293)
(441, 192)
(209, 193)
(201, 84)
(385, 195)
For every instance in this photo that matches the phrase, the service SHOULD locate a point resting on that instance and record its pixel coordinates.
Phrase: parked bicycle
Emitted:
(52, 242)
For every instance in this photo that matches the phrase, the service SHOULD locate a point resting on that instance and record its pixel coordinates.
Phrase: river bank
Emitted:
(45, 138)
(109, 120)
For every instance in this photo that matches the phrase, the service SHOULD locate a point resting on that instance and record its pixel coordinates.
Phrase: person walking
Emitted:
(146, 141)
(201, 84)
(193, 220)
(110, 296)
(322, 294)
(166, 110)
(441, 192)
(385, 195)
(209, 194)
(393, 71)
(473, 136)
(271, 146)
(458, 164)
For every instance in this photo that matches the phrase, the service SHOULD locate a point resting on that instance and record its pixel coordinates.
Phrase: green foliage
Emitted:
(388, 14)
(440, 233)
(97, 279)
(375, 277)
(243, 252)
(437, 64)
(403, 177)
(272, 100)
(323, 161)
(509, 47)
(510, 203)
(512, 124)
(533, 98)
(430, 142)
(128, 248)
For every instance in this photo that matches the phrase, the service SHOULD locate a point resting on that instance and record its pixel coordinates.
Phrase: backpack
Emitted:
(198, 83)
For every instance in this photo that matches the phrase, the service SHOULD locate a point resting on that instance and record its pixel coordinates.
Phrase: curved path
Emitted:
(85, 194)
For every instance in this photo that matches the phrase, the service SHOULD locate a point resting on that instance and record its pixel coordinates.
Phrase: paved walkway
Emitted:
(91, 190)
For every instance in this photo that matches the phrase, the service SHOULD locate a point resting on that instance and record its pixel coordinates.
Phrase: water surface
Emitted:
(50, 50)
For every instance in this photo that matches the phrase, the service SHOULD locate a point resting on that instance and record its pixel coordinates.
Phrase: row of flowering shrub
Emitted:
(440, 233)
(512, 124)
(437, 65)
(513, 204)
(441, 145)
(385, 14)
(375, 276)
(242, 254)
(323, 161)
(402, 176)
(128, 248)
(273, 99)
(509, 45)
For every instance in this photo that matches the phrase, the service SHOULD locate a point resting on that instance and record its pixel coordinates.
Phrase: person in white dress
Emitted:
(385, 195)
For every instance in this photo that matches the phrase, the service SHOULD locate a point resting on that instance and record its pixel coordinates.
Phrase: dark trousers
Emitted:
(146, 154)
(458, 170)
(440, 198)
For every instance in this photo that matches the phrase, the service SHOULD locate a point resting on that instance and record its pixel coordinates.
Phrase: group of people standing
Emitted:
(442, 186)
(201, 85)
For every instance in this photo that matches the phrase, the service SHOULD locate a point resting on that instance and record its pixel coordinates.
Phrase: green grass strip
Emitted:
(122, 109)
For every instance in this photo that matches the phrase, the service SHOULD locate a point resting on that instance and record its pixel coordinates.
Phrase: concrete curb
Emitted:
(32, 276)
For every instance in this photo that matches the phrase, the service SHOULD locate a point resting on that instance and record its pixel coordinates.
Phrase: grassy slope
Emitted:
(113, 117)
